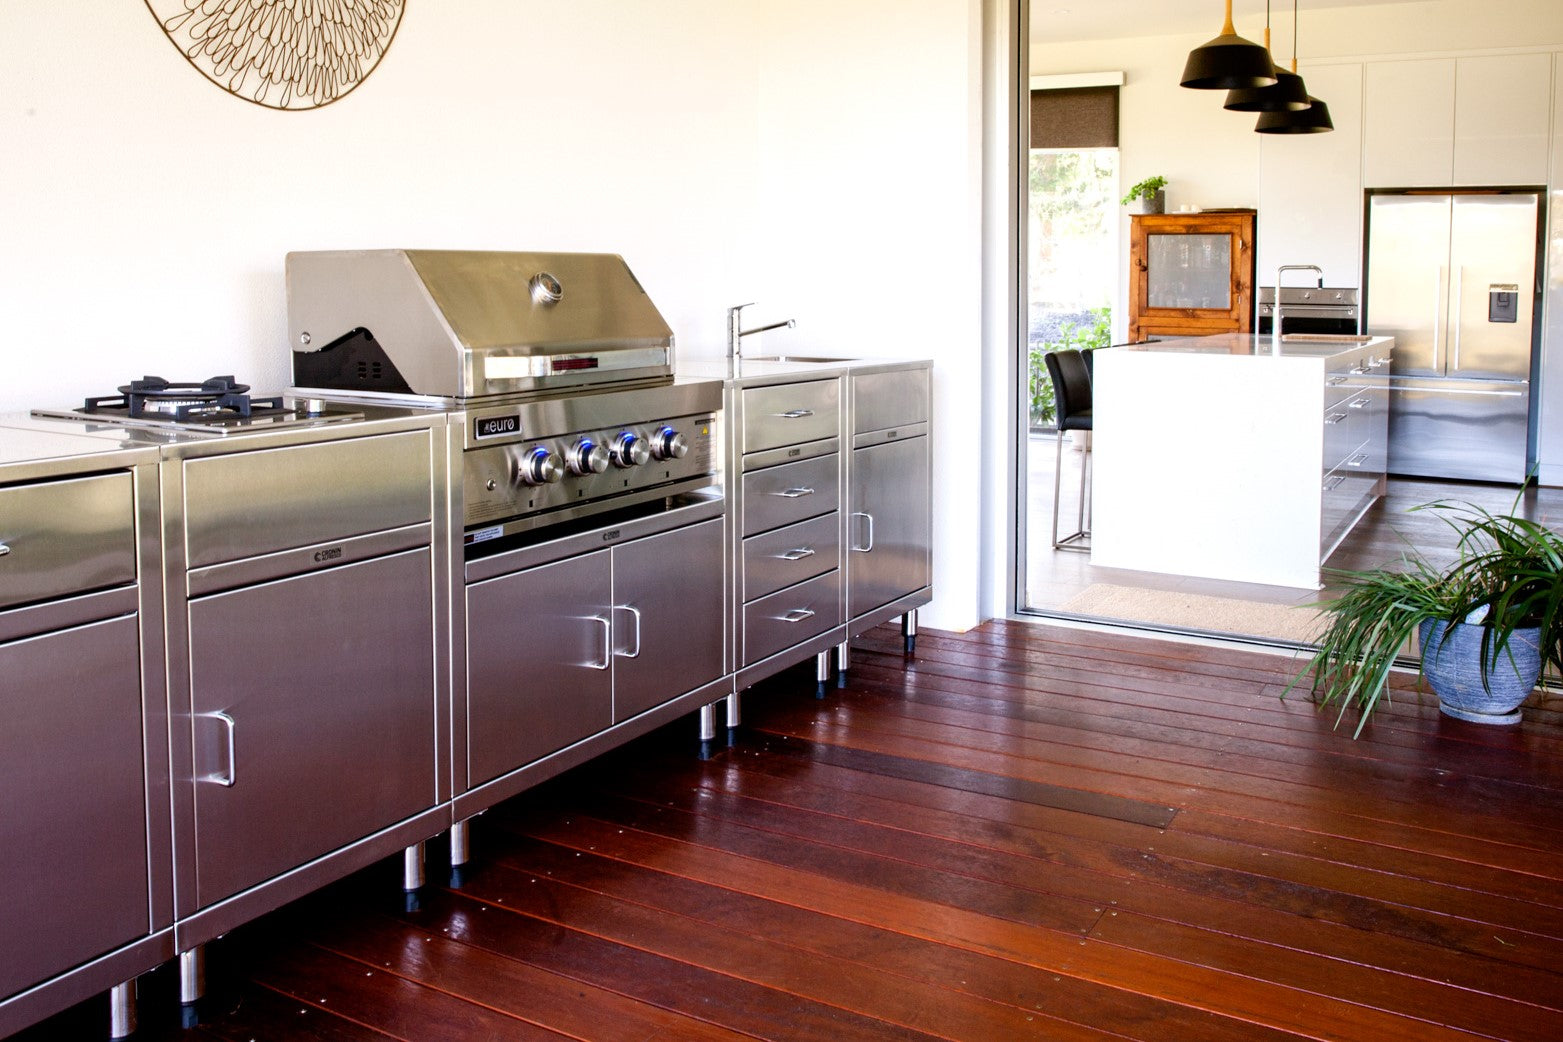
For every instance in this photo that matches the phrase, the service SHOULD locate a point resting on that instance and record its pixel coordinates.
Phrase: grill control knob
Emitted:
(668, 443)
(587, 457)
(538, 466)
(629, 450)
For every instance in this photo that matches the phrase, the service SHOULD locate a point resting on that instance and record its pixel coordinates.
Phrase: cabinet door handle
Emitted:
(229, 776)
(797, 555)
(635, 612)
(798, 615)
(795, 493)
(1334, 483)
(870, 545)
(4, 549)
(1335, 380)
(1360, 403)
(1333, 418)
(795, 414)
(607, 643)
(1358, 460)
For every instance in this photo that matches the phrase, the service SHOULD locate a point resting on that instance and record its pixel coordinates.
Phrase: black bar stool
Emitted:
(1070, 372)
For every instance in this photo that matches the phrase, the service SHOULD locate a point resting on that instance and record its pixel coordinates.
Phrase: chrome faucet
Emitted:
(735, 333)
(1275, 308)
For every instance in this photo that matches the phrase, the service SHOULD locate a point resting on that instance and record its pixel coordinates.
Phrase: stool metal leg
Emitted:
(1077, 540)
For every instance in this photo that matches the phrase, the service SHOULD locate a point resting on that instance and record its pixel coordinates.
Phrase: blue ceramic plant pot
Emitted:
(1453, 670)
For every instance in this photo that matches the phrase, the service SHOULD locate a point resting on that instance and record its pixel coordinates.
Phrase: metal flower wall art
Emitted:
(282, 54)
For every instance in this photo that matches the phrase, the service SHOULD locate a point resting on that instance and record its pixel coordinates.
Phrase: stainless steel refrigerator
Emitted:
(1452, 277)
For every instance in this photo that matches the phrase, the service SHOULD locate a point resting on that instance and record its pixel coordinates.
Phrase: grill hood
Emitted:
(467, 323)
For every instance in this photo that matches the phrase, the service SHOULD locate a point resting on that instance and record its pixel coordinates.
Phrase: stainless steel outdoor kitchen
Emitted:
(492, 531)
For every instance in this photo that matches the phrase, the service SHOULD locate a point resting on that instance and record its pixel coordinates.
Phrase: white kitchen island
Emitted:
(1217, 457)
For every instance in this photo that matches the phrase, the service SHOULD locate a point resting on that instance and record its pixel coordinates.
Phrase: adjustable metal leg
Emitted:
(821, 672)
(122, 1010)
(734, 715)
(192, 975)
(707, 729)
(412, 868)
(909, 631)
(843, 661)
(1075, 540)
(461, 843)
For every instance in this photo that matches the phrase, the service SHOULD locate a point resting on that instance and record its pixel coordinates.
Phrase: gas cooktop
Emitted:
(217, 406)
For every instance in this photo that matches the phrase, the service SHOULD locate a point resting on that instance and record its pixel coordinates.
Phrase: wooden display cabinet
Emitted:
(1191, 274)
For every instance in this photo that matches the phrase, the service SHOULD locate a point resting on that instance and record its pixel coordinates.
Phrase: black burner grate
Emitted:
(153, 397)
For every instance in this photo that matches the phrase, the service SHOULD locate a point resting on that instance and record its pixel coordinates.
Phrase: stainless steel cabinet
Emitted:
(313, 716)
(889, 491)
(598, 639)
(73, 840)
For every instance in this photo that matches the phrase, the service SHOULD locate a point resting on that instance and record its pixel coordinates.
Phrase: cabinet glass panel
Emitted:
(1189, 271)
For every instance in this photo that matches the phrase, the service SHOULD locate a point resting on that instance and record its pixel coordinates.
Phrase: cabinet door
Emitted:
(542, 681)
(73, 825)
(1503, 108)
(1191, 274)
(1408, 123)
(890, 531)
(668, 619)
(314, 727)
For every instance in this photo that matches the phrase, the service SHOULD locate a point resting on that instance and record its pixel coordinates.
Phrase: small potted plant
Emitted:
(1147, 196)
(1486, 624)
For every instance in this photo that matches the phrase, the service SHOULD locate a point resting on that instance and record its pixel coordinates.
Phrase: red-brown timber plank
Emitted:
(1052, 950)
(1504, 842)
(427, 949)
(261, 1013)
(368, 995)
(1280, 912)
(1239, 887)
(913, 1009)
(931, 964)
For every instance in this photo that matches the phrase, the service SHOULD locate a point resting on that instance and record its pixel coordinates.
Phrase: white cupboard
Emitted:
(1444, 122)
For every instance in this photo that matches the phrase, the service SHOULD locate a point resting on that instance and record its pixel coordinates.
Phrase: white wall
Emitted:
(819, 157)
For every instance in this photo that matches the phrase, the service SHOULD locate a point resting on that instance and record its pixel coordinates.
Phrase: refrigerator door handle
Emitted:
(1438, 313)
(1454, 326)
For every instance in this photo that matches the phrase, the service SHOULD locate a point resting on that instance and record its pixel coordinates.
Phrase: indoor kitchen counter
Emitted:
(1218, 457)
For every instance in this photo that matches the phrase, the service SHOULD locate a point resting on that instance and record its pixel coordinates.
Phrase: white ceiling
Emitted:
(1053, 21)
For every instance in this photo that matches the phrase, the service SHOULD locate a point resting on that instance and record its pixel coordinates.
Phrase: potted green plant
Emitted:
(1486, 624)
(1147, 196)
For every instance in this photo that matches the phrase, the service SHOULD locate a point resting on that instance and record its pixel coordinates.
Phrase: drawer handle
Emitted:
(796, 414)
(1334, 483)
(1360, 403)
(1360, 370)
(798, 615)
(227, 778)
(1358, 460)
(4, 549)
(794, 493)
(870, 544)
(1334, 418)
(607, 644)
(1335, 380)
(797, 555)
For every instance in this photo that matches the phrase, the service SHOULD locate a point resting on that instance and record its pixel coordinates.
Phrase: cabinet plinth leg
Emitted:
(412, 868)
(461, 843)
(909, 631)
(734, 713)
(843, 660)
(122, 1010)
(821, 672)
(707, 729)
(192, 975)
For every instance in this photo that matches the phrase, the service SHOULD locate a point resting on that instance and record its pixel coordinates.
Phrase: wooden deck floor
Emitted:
(1026, 833)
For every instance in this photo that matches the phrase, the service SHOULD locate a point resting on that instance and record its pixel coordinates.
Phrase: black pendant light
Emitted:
(1315, 119)
(1228, 62)
(1286, 93)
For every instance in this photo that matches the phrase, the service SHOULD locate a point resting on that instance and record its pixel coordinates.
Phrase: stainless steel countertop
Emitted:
(1255, 346)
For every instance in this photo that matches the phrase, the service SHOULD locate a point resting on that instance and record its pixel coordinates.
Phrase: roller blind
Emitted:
(1074, 117)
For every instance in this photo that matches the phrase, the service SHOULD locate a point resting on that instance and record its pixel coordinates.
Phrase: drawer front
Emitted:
(785, 556)
(786, 414)
(1343, 495)
(790, 493)
(791, 616)
(253, 503)
(65, 537)
(882, 400)
(1342, 434)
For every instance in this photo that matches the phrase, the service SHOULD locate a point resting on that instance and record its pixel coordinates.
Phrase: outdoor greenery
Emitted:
(1507, 575)
(1071, 336)
(1146, 188)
